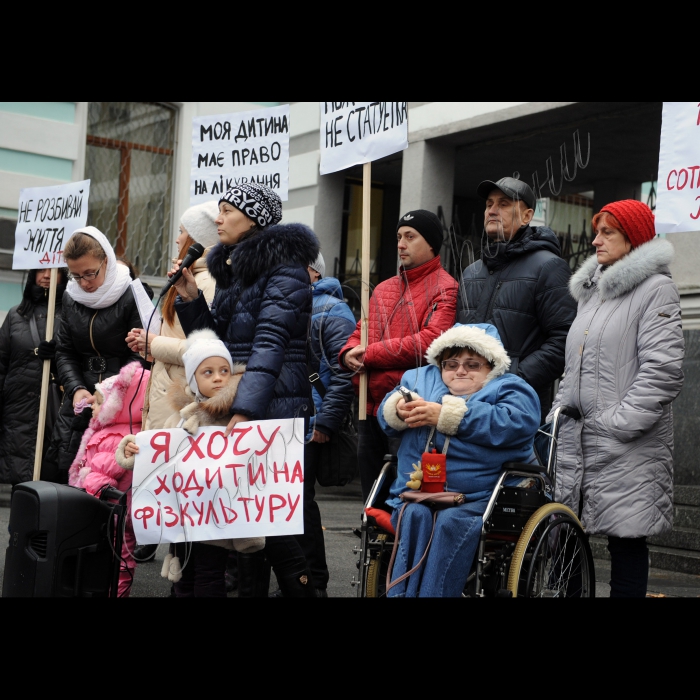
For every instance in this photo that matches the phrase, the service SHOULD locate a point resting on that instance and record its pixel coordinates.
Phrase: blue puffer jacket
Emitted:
(261, 311)
(495, 425)
(332, 323)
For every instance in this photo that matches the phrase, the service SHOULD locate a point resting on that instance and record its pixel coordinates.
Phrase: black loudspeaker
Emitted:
(59, 543)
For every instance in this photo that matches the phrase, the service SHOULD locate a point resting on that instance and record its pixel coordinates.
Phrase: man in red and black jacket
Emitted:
(406, 313)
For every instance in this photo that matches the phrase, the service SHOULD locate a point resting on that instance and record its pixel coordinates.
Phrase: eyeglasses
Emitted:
(469, 365)
(88, 276)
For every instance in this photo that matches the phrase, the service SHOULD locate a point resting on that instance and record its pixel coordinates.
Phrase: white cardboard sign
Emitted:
(205, 486)
(231, 149)
(353, 133)
(46, 219)
(678, 185)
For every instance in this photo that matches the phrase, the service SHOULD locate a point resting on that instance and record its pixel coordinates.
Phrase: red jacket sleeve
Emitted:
(406, 352)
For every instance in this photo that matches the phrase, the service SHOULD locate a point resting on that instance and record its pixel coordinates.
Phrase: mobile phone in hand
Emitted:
(406, 394)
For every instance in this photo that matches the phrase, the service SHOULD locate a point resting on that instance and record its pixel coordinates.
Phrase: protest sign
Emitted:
(231, 149)
(208, 487)
(46, 219)
(353, 133)
(678, 186)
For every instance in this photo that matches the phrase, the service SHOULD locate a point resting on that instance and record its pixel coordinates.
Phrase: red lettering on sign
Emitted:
(241, 433)
(144, 514)
(199, 510)
(233, 468)
(273, 508)
(178, 482)
(211, 511)
(170, 511)
(292, 506)
(158, 515)
(184, 514)
(266, 441)
(284, 471)
(192, 485)
(260, 474)
(230, 510)
(697, 215)
(194, 447)
(210, 451)
(162, 486)
(209, 480)
(668, 179)
(245, 505)
(260, 505)
(298, 473)
(161, 447)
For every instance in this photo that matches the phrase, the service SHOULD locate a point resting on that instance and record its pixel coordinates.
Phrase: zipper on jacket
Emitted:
(92, 342)
(432, 311)
(492, 301)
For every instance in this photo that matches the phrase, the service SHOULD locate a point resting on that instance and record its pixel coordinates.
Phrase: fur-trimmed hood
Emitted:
(623, 276)
(482, 338)
(292, 244)
(118, 392)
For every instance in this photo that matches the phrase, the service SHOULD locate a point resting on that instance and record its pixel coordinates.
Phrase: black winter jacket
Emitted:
(86, 333)
(261, 310)
(521, 287)
(20, 384)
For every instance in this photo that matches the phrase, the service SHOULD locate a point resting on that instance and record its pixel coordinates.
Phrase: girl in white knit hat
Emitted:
(203, 397)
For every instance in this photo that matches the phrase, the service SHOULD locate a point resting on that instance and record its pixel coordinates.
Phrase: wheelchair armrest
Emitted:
(523, 467)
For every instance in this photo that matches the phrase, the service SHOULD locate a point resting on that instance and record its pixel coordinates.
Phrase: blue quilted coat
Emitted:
(261, 310)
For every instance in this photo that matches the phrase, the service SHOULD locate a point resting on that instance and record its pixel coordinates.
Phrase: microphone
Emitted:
(194, 252)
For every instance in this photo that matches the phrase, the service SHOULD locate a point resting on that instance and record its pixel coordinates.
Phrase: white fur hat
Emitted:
(200, 346)
(482, 338)
(198, 221)
(319, 265)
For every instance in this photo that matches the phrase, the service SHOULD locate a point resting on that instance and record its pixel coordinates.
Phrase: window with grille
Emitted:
(129, 161)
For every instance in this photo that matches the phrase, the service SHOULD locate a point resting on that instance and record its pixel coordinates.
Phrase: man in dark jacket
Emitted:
(332, 323)
(520, 285)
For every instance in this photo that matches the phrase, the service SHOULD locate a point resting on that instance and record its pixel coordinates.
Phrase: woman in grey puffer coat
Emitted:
(624, 356)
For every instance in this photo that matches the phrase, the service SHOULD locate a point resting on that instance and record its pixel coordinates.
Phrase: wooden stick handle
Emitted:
(45, 377)
(366, 200)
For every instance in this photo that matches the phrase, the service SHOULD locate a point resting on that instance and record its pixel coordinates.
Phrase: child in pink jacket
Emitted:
(114, 416)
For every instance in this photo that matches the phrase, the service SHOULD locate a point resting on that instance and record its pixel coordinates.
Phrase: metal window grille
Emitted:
(129, 161)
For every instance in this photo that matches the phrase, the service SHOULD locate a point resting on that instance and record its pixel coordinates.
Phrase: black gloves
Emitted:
(46, 350)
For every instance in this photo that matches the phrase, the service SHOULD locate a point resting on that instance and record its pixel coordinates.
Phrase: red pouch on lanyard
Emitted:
(434, 466)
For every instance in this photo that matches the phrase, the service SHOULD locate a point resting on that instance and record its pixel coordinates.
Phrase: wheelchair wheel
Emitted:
(376, 571)
(552, 558)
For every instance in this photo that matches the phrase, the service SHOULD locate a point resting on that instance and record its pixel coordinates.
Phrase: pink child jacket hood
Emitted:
(118, 392)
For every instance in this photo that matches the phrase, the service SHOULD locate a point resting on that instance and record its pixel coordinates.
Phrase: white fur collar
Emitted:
(641, 263)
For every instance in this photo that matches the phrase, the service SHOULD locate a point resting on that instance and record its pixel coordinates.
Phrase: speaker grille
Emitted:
(39, 544)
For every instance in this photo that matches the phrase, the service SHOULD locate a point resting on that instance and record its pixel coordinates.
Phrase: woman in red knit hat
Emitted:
(624, 356)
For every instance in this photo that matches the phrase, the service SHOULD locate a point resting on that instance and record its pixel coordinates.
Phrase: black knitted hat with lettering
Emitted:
(427, 224)
(258, 202)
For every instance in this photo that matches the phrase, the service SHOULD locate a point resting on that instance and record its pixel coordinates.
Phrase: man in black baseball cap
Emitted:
(510, 205)
(520, 285)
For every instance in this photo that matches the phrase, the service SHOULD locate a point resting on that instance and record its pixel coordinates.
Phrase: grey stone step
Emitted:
(679, 538)
(671, 559)
(5, 495)
(686, 495)
(686, 516)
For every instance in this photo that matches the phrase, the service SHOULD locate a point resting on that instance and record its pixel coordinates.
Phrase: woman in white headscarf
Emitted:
(99, 309)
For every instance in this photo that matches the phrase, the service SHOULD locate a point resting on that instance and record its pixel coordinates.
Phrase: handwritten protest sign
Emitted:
(678, 196)
(360, 132)
(47, 217)
(208, 487)
(230, 149)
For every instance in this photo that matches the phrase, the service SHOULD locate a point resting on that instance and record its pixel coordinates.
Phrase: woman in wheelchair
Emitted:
(468, 407)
